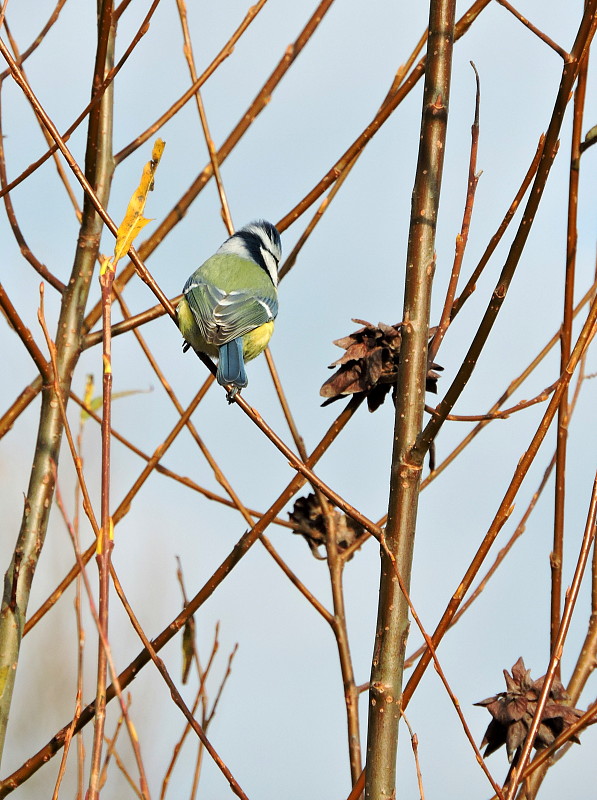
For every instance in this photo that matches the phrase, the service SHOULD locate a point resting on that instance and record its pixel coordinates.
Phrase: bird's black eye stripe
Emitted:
(276, 259)
(253, 244)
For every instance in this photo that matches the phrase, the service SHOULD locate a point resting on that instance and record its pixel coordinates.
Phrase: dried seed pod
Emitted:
(514, 709)
(314, 526)
(370, 365)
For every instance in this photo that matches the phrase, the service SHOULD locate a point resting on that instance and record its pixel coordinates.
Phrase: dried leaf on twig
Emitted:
(134, 221)
(188, 647)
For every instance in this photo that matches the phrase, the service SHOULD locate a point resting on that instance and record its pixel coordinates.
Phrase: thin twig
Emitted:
(506, 505)
(325, 203)
(504, 413)
(25, 335)
(104, 646)
(514, 385)
(90, 194)
(462, 237)
(222, 685)
(176, 696)
(394, 100)
(414, 740)
(195, 86)
(569, 73)
(134, 321)
(111, 750)
(519, 530)
(498, 235)
(120, 764)
(337, 621)
(188, 51)
(38, 39)
(57, 162)
(199, 697)
(543, 36)
(12, 219)
(557, 555)
(105, 541)
(40, 758)
(556, 656)
(103, 85)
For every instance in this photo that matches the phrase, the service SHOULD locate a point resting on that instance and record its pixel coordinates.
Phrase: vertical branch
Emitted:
(565, 350)
(78, 591)
(105, 541)
(38, 501)
(586, 662)
(392, 620)
(133, 221)
(351, 693)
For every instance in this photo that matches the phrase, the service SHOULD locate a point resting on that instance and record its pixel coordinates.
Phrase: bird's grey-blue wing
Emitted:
(222, 316)
(203, 298)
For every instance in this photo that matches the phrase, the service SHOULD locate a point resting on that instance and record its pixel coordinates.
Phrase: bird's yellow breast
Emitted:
(256, 340)
(190, 331)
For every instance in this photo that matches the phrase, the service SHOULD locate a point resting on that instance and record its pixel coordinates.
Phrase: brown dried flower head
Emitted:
(370, 365)
(513, 712)
(313, 526)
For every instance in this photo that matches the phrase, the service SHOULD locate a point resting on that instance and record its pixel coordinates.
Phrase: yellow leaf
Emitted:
(158, 149)
(134, 220)
(106, 264)
(96, 403)
(87, 397)
(127, 236)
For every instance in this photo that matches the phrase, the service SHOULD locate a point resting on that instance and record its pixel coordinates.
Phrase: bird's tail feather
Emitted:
(231, 366)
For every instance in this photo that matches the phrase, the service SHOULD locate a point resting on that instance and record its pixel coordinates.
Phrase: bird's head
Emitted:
(260, 242)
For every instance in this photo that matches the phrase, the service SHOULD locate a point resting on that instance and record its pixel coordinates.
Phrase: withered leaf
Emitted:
(370, 365)
(314, 525)
(514, 709)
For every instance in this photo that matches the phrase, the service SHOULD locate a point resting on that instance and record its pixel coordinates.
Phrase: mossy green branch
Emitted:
(38, 501)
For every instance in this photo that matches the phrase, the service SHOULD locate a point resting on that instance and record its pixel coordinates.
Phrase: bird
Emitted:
(230, 302)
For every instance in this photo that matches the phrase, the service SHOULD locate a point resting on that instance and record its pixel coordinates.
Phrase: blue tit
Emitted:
(229, 304)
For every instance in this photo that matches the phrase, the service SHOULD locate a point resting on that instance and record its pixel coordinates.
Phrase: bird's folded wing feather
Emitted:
(222, 316)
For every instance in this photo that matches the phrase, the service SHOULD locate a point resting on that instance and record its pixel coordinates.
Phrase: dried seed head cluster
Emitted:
(370, 365)
(313, 525)
(513, 712)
